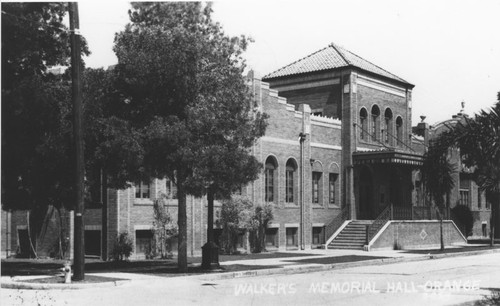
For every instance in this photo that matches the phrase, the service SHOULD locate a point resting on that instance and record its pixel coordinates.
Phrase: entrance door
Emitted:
(365, 194)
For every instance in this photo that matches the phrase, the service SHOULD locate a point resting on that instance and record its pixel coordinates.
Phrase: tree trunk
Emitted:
(441, 232)
(247, 241)
(210, 216)
(441, 238)
(104, 216)
(29, 235)
(182, 224)
(61, 233)
(492, 223)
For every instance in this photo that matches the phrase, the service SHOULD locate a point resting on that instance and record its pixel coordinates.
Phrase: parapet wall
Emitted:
(421, 234)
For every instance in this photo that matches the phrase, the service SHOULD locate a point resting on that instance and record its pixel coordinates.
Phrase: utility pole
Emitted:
(76, 73)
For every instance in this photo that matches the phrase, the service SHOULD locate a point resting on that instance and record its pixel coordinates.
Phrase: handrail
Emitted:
(453, 216)
(379, 222)
(402, 213)
(334, 225)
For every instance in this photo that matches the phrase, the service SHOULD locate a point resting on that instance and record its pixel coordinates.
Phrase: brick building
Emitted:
(339, 146)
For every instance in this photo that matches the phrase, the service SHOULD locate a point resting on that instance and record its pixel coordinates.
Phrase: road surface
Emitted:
(447, 281)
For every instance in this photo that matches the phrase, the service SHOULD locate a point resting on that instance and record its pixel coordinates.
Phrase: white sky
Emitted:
(450, 50)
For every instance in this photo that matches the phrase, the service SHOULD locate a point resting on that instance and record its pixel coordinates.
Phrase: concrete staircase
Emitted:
(353, 236)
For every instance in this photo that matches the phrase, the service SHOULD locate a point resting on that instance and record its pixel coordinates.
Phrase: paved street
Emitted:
(445, 281)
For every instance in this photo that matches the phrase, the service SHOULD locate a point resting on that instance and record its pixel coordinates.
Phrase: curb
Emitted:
(14, 284)
(336, 266)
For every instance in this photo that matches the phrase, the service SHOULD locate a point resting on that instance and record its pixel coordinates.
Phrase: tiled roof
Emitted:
(331, 57)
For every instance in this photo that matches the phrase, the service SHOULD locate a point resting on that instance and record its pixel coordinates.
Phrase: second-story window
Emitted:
(316, 187)
(332, 186)
(363, 121)
(375, 130)
(290, 184)
(171, 189)
(269, 174)
(142, 190)
(399, 130)
(388, 126)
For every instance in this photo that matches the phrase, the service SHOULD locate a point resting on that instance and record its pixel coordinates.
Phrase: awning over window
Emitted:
(387, 157)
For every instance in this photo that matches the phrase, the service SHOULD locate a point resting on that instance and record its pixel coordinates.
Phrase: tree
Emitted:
(236, 214)
(36, 116)
(437, 177)
(261, 218)
(180, 80)
(479, 144)
(163, 228)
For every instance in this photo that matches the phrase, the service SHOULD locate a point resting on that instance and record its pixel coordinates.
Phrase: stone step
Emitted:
(353, 236)
(351, 239)
(346, 247)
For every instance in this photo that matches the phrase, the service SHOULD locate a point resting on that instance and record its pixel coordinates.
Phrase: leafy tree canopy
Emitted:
(180, 80)
(37, 163)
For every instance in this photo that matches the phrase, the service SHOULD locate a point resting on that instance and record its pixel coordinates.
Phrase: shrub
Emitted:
(122, 248)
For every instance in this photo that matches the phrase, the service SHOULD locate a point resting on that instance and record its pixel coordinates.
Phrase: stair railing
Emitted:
(402, 213)
(334, 225)
(379, 222)
(453, 216)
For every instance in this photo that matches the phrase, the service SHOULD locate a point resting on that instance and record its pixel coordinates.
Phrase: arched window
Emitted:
(388, 126)
(270, 182)
(291, 180)
(399, 130)
(363, 118)
(375, 122)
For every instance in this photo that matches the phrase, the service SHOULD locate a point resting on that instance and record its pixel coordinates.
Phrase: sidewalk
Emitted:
(289, 262)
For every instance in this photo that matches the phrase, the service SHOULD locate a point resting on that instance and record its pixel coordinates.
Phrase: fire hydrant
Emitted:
(67, 272)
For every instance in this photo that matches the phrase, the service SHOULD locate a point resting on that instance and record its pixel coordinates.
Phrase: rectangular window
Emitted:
(269, 177)
(316, 178)
(272, 237)
(24, 245)
(464, 197)
(291, 236)
(143, 241)
(241, 239)
(332, 186)
(171, 189)
(142, 190)
(93, 242)
(318, 235)
(289, 186)
(479, 199)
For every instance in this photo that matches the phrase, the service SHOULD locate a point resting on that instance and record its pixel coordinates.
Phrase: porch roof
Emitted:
(387, 156)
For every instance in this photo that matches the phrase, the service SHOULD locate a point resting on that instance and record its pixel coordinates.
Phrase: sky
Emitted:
(450, 50)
